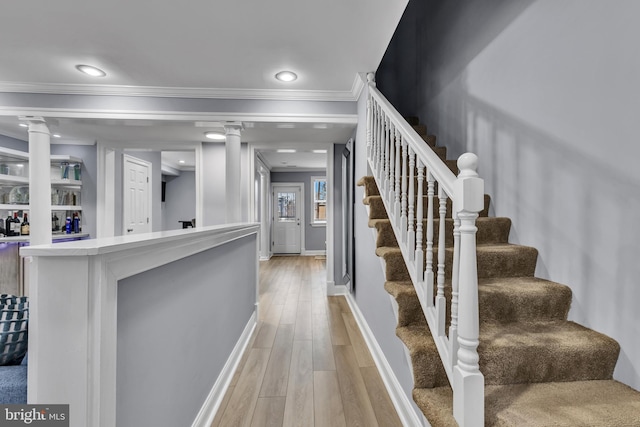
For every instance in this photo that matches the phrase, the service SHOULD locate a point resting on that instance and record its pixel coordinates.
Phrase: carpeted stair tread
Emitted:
(428, 370)
(501, 300)
(441, 152)
(525, 352)
(597, 403)
(369, 184)
(517, 299)
(376, 201)
(409, 310)
(421, 129)
(395, 268)
(429, 139)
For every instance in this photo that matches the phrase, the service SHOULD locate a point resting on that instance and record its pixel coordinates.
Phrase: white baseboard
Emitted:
(306, 252)
(208, 411)
(265, 258)
(333, 289)
(401, 402)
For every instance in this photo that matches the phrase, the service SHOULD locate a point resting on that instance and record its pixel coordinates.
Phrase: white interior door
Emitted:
(136, 196)
(287, 212)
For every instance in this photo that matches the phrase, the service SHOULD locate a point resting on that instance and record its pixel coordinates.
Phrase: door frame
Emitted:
(275, 185)
(125, 158)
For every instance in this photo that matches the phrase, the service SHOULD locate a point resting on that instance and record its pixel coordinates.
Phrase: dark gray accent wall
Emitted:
(314, 236)
(545, 93)
(177, 326)
(180, 200)
(338, 256)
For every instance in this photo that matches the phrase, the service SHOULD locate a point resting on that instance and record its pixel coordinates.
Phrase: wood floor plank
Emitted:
(358, 410)
(339, 335)
(382, 405)
(303, 321)
(276, 377)
(269, 412)
(357, 341)
(239, 410)
(298, 410)
(221, 409)
(268, 327)
(327, 400)
(322, 346)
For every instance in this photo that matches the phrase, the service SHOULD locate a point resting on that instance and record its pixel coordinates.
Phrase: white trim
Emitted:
(213, 401)
(401, 402)
(186, 92)
(329, 238)
(333, 289)
(312, 221)
(313, 252)
(204, 116)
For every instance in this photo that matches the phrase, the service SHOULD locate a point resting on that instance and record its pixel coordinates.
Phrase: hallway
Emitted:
(307, 364)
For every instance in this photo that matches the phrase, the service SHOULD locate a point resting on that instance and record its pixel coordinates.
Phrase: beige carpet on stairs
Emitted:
(540, 369)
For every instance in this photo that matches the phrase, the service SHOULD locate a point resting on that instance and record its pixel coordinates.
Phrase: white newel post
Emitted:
(233, 172)
(468, 381)
(39, 181)
(371, 82)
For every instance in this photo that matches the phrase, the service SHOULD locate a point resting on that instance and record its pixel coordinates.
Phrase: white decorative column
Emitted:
(233, 175)
(39, 181)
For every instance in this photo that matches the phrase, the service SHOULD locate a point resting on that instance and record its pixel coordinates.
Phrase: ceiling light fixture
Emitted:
(216, 136)
(181, 162)
(320, 151)
(23, 125)
(286, 76)
(56, 135)
(90, 70)
(285, 150)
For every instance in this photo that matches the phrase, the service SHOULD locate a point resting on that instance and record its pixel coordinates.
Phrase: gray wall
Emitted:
(314, 236)
(177, 326)
(338, 256)
(14, 144)
(546, 93)
(180, 200)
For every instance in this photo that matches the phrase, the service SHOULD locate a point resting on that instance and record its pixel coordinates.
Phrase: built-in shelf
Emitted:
(55, 237)
(14, 179)
(66, 183)
(5, 207)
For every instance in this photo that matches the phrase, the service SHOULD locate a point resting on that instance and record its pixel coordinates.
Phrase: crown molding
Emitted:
(186, 92)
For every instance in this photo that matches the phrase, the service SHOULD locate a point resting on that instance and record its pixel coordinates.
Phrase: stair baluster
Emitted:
(369, 127)
(411, 233)
(419, 255)
(403, 205)
(385, 156)
(441, 302)
(396, 206)
(455, 268)
(392, 162)
(429, 268)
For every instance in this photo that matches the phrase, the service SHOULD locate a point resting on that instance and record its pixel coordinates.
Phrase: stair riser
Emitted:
(428, 371)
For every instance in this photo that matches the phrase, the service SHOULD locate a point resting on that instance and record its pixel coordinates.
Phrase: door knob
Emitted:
(129, 230)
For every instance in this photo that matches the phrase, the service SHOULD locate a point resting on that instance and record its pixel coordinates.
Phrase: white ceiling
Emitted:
(193, 48)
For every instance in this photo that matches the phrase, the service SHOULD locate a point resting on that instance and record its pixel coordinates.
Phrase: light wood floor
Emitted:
(307, 364)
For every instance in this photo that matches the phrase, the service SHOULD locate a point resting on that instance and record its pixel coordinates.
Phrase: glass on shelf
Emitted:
(19, 196)
(64, 170)
(77, 172)
(13, 169)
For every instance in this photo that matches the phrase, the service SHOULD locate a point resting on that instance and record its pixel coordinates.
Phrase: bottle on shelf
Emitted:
(76, 223)
(55, 224)
(7, 225)
(15, 225)
(67, 225)
(24, 227)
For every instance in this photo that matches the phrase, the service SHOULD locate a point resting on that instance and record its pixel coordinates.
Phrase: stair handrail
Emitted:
(394, 151)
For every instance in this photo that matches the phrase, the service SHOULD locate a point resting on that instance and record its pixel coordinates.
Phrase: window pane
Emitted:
(286, 206)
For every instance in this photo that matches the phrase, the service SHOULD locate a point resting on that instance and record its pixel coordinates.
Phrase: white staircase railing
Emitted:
(398, 157)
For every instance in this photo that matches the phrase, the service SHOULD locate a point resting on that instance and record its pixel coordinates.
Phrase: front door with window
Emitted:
(287, 206)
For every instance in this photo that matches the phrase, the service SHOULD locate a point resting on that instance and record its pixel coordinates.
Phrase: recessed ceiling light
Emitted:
(286, 76)
(56, 135)
(20, 165)
(92, 71)
(320, 151)
(216, 136)
(181, 162)
(285, 150)
(23, 125)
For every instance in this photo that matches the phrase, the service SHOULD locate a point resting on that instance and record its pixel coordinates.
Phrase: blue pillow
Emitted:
(14, 322)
